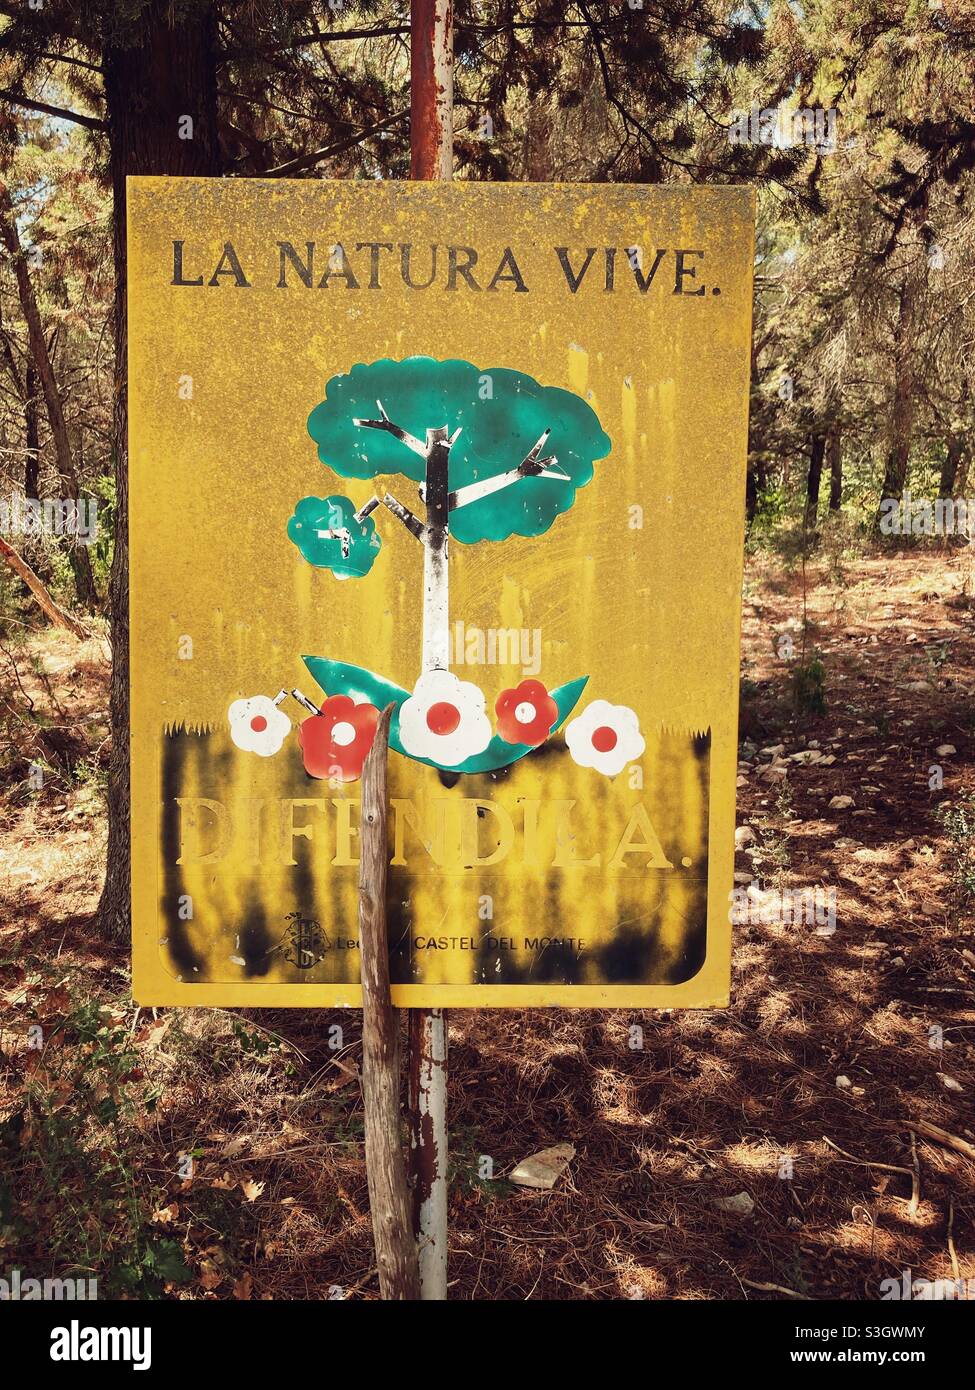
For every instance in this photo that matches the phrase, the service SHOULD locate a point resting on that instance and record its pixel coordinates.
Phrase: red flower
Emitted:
(334, 742)
(526, 714)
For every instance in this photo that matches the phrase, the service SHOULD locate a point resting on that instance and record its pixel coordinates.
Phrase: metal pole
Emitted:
(428, 1146)
(431, 89)
(431, 157)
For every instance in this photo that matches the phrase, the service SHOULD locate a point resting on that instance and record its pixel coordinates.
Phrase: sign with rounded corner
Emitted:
(477, 452)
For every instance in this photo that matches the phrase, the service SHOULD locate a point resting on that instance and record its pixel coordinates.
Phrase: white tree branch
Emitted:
(531, 466)
(412, 522)
(303, 700)
(409, 519)
(338, 533)
(386, 424)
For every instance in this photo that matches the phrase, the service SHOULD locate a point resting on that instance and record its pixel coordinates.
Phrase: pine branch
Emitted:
(337, 533)
(396, 30)
(89, 122)
(58, 615)
(321, 36)
(72, 62)
(306, 161)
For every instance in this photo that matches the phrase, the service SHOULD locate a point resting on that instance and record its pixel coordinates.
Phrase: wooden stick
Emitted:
(773, 1288)
(389, 1200)
(916, 1182)
(912, 1173)
(46, 603)
(951, 1240)
(941, 1136)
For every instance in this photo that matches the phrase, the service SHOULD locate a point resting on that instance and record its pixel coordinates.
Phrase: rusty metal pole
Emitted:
(431, 157)
(431, 89)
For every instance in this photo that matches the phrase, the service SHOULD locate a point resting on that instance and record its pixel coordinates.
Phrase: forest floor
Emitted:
(807, 1101)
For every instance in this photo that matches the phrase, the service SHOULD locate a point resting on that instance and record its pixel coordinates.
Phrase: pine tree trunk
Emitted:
(32, 435)
(835, 454)
(949, 466)
(751, 492)
(756, 483)
(903, 407)
(44, 367)
(902, 413)
(164, 73)
(537, 142)
(817, 453)
(32, 456)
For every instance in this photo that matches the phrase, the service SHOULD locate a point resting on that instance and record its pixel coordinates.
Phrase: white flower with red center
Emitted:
(605, 737)
(444, 720)
(258, 726)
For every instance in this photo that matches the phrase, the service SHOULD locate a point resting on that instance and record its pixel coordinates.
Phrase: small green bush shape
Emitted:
(329, 536)
(810, 687)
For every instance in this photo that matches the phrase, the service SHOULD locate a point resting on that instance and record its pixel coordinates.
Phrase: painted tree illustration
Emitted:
(494, 453)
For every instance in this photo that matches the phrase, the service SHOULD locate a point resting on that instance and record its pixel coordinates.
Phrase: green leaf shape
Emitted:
(501, 414)
(314, 514)
(341, 678)
(165, 1257)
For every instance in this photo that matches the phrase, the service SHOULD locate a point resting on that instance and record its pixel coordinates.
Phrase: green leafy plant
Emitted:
(809, 686)
(958, 822)
(75, 1190)
(466, 1168)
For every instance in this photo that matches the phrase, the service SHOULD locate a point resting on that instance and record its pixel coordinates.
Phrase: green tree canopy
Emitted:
(329, 536)
(501, 415)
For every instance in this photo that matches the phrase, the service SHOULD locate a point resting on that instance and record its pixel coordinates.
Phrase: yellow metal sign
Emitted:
(476, 451)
